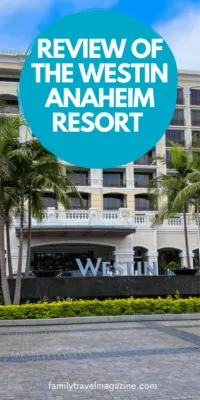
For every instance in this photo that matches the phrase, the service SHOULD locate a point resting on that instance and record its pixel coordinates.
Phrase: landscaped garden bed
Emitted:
(83, 308)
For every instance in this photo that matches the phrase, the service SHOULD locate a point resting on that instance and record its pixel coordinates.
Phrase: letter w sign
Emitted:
(89, 265)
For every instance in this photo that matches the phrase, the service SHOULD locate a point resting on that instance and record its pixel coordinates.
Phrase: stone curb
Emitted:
(103, 319)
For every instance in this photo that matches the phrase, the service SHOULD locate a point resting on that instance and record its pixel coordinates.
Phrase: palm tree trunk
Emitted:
(198, 227)
(9, 258)
(186, 238)
(28, 256)
(19, 271)
(4, 281)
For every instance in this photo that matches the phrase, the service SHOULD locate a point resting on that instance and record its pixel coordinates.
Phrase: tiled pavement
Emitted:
(165, 355)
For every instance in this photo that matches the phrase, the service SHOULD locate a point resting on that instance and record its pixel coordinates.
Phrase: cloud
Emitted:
(21, 20)
(182, 34)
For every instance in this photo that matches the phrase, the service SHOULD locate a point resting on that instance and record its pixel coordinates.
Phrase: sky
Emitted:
(178, 21)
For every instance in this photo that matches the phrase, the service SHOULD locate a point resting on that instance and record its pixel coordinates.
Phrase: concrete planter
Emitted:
(184, 271)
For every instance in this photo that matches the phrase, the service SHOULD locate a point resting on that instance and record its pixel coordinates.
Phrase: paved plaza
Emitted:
(132, 360)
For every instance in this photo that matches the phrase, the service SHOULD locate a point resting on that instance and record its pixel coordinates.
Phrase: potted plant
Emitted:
(177, 270)
(172, 266)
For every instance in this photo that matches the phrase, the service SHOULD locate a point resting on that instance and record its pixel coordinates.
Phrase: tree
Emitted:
(9, 131)
(28, 169)
(10, 205)
(191, 192)
(169, 186)
(45, 173)
(21, 158)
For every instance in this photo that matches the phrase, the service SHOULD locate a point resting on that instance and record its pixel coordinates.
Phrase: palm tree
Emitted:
(9, 205)
(9, 131)
(170, 186)
(46, 173)
(28, 169)
(22, 158)
(191, 192)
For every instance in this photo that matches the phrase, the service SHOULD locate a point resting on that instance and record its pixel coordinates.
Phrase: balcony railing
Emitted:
(114, 184)
(93, 217)
(145, 161)
(140, 219)
(142, 184)
(194, 102)
(196, 122)
(82, 217)
(177, 122)
(82, 182)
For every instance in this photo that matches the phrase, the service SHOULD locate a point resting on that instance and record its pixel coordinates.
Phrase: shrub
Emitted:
(78, 308)
(172, 265)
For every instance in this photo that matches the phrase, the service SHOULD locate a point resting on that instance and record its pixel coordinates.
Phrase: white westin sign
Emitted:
(104, 268)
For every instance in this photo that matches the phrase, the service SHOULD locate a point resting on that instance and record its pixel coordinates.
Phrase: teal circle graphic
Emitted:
(98, 88)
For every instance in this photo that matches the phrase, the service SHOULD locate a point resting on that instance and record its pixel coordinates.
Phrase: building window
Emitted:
(169, 163)
(196, 138)
(180, 98)
(8, 79)
(9, 75)
(113, 201)
(144, 202)
(146, 159)
(9, 104)
(142, 179)
(113, 179)
(81, 178)
(195, 97)
(175, 136)
(49, 200)
(75, 202)
(178, 118)
(195, 117)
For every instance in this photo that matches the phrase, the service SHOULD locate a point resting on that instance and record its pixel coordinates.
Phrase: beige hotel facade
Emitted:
(116, 223)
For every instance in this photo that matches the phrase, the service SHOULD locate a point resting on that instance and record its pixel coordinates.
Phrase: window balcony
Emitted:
(177, 122)
(85, 221)
(195, 102)
(114, 179)
(143, 185)
(175, 136)
(195, 117)
(81, 178)
(82, 182)
(142, 180)
(180, 97)
(196, 122)
(115, 184)
(56, 220)
(178, 118)
(195, 138)
(146, 159)
(195, 97)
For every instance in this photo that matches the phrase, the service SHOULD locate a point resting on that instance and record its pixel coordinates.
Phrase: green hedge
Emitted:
(80, 308)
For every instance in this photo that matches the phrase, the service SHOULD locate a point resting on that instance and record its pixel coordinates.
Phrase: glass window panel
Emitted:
(195, 116)
(180, 99)
(113, 201)
(75, 202)
(113, 178)
(81, 178)
(49, 200)
(176, 136)
(142, 203)
(195, 97)
(9, 106)
(142, 179)
(178, 117)
(195, 137)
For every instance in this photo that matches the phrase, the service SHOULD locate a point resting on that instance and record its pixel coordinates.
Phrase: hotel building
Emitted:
(116, 223)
